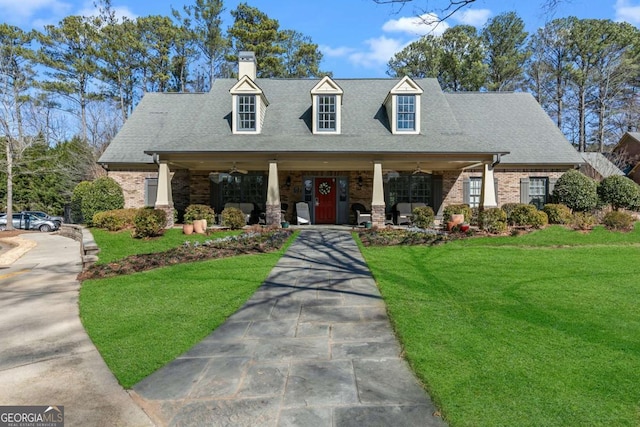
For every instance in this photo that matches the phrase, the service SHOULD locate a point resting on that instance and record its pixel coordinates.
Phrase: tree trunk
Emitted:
(9, 184)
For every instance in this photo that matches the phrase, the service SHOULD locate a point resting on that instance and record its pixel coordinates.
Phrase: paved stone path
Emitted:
(312, 347)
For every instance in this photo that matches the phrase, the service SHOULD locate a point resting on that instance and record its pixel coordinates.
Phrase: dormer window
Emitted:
(247, 112)
(249, 106)
(403, 107)
(406, 113)
(326, 113)
(326, 99)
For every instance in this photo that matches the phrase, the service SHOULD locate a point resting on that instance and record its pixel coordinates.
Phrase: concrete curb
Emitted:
(20, 247)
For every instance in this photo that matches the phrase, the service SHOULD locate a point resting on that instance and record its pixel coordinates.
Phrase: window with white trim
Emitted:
(538, 191)
(326, 113)
(475, 189)
(246, 112)
(406, 113)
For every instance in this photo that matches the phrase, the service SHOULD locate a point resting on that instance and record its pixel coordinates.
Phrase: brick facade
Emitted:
(193, 187)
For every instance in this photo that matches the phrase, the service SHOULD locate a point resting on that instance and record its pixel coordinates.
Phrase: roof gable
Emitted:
(326, 86)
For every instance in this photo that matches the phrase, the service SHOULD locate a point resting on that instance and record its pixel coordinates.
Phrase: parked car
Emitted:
(43, 215)
(25, 221)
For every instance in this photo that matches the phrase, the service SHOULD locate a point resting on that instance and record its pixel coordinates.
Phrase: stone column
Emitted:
(273, 195)
(164, 198)
(377, 198)
(488, 190)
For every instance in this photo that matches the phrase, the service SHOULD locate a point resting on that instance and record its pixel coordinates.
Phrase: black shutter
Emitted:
(436, 194)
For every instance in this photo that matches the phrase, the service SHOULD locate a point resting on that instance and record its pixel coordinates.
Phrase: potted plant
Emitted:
(187, 227)
(199, 215)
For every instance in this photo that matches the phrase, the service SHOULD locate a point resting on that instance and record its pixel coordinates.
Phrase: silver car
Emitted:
(26, 221)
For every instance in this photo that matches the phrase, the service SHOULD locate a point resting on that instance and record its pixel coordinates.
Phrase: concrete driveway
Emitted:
(46, 358)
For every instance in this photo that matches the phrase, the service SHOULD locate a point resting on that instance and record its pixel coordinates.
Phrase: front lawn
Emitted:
(540, 329)
(140, 322)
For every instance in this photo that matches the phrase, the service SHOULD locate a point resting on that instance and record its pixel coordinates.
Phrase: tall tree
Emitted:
(301, 57)
(204, 18)
(505, 43)
(69, 52)
(420, 59)
(463, 67)
(157, 35)
(16, 80)
(253, 30)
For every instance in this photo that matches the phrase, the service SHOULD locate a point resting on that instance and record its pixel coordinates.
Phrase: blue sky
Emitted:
(357, 37)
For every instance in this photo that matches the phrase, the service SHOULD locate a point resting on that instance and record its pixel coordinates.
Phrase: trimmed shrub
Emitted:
(105, 194)
(149, 222)
(475, 216)
(620, 192)
(557, 213)
(115, 220)
(576, 190)
(79, 192)
(540, 219)
(583, 221)
(493, 220)
(423, 216)
(618, 220)
(508, 208)
(463, 209)
(523, 215)
(233, 218)
(194, 212)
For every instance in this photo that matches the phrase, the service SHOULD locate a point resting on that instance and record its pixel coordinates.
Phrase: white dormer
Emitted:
(249, 106)
(403, 107)
(326, 98)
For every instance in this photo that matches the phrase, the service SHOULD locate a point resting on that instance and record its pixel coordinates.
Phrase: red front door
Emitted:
(325, 201)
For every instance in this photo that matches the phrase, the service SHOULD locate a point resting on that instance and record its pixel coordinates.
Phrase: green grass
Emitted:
(140, 322)
(536, 330)
(114, 246)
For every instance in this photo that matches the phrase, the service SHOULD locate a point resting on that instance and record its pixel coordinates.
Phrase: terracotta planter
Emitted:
(187, 228)
(457, 219)
(200, 226)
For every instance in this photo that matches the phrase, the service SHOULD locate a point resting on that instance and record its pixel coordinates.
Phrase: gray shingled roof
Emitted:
(601, 164)
(515, 120)
(201, 123)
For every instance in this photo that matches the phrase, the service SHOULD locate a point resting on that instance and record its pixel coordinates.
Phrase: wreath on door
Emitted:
(324, 188)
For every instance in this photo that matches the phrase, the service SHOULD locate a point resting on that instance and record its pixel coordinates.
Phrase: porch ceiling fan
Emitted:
(234, 169)
(418, 169)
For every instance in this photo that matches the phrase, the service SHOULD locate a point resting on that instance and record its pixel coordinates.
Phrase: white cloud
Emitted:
(428, 23)
(625, 11)
(475, 17)
(380, 51)
(21, 11)
(341, 51)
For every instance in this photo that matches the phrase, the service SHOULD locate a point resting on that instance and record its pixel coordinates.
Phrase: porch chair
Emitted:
(362, 216)
(403, 213)
(302, 213)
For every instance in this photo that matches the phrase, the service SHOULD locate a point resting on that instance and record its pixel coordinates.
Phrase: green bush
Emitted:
(540, 219)
(423, 216)
(583, 220)
(618, 220)
(463, 209)
(233, 218)
(557, 213)
(523, 215)
(620, 192)
(149, 222)
(475, 216)
(79, 192)
(104, 194)
(576, 190)
(115, 220)
(194, 212)
(493, 220)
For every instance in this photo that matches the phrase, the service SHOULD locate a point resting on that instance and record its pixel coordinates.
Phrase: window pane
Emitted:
(538, 192)
(247, 112)
(475, 187)
(327, 112)
(406, 112)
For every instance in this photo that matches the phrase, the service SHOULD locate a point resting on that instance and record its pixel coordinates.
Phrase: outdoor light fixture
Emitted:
(288, 182)
(360, 181)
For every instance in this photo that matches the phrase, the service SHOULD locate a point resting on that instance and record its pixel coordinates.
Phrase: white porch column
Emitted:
(377, 198)
(488, 191)
(273, 195)
(164, 198)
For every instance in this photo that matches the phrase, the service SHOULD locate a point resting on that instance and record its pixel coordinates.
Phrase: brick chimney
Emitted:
(247, 65)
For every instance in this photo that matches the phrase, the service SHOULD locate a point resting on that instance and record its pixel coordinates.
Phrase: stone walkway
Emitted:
(312, 347)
